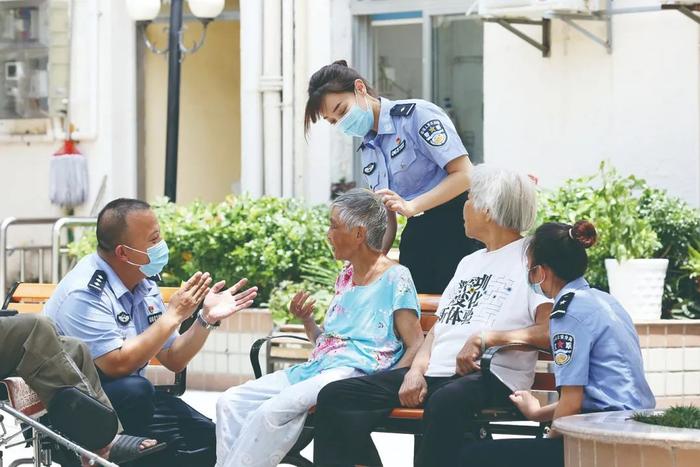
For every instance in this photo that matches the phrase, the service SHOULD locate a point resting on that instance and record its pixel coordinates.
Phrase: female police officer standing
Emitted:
(412, 155)
(597, 361)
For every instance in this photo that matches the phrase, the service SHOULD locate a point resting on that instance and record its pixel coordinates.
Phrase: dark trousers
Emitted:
(514, 452)
(348, 410)
(432, 245)
(191, 436)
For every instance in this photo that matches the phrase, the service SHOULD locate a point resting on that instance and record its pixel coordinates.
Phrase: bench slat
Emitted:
(27, 307)
(544, 382)
(36, 293)
(428, 303)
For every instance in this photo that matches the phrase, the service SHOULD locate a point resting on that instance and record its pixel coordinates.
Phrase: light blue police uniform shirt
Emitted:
(595, 345)
(97, 308)
(413, 144)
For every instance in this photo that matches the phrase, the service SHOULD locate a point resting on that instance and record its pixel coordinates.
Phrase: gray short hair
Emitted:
(509, 197)
(362, 208)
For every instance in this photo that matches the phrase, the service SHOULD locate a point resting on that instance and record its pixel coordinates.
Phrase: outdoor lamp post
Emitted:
(145, 11)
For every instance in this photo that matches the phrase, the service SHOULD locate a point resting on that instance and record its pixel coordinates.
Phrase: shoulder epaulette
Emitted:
(402, 110)
(98, 281)
(562, 305)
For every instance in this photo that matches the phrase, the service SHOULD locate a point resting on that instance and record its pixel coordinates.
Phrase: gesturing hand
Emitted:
(302, 309)
(219, 304)
(185, 300)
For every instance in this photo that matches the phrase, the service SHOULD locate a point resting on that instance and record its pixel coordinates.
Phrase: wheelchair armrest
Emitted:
(490, 353)
(6, 313)
(255, 350)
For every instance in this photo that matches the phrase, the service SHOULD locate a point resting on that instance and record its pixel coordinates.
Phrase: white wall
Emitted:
(323, 156)
(104, 110)
(639, 108)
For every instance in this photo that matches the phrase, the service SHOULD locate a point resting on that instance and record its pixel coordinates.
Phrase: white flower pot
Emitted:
(639, 286)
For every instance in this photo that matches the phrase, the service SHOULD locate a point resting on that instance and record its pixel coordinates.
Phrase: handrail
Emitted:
(4, 227)
(56, 241)
(58, 225)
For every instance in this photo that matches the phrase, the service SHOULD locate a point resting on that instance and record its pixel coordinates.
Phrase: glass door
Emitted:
(458, 77)
(397, 62)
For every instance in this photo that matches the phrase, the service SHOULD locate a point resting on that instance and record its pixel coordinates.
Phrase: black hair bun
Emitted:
(341, 63)
(584, 232)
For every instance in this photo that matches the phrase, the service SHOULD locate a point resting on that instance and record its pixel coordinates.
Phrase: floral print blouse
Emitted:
(358, 331)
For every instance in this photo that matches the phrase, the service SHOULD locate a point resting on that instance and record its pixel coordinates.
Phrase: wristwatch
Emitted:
(204, 323)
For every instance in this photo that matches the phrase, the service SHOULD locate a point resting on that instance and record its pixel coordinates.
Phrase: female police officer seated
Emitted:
(597, 361)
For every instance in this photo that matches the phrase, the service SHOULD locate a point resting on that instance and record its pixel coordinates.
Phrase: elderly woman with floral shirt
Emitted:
(371, 325)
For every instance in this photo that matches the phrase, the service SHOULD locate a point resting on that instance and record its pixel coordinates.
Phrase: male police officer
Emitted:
(109, 302)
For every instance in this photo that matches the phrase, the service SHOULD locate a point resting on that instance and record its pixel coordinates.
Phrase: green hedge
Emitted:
(266, 240)
(281, 246)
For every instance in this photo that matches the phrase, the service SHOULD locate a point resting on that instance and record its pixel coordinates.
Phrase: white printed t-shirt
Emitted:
(489, 291)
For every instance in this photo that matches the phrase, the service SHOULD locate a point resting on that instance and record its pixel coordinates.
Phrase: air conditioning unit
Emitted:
(680, 2)
(537, 8)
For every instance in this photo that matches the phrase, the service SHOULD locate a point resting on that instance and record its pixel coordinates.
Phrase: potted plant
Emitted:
(623, 259)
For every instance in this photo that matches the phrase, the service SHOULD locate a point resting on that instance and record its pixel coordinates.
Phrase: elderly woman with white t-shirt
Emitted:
(488, 302)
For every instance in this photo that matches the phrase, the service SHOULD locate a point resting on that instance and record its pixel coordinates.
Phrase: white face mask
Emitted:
(537, 288)
(157, 259)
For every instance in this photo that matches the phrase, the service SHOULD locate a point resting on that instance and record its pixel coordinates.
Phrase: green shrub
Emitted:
(611, 202)
(678, 227)
(282, 295)
(633, 221)
(692, 267)
(266, 240)
(677, 417)
(400, 226)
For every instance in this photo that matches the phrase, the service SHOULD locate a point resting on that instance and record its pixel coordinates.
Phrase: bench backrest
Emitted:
(27, 297)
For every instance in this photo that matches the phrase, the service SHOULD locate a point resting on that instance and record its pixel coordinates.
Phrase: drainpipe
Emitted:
(251, 102)
(300, 93)
(271, 87)
(287, 98)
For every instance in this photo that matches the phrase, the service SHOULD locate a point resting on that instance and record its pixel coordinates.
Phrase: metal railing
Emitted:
(58, 251)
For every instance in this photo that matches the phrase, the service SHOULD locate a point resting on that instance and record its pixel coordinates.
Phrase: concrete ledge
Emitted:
(618, 427)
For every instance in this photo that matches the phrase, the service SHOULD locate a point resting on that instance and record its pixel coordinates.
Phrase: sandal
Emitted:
(127, 448)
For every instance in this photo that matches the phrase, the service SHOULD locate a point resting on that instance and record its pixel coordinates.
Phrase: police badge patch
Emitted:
(434, 133)
(563, 348)
(369, 169)
(124, 318)
(397, 150)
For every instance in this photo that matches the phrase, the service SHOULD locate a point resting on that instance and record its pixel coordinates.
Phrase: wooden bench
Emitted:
(25, 297)
(403, 420)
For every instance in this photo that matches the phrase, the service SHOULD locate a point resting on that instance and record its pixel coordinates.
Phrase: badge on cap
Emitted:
(369, 169)
(562, 348)
(434, 133)
(397, 150)
(124, 318)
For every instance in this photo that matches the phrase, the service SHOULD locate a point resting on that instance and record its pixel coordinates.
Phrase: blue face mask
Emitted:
(158, 258)
(357, 122)
(537, 288)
